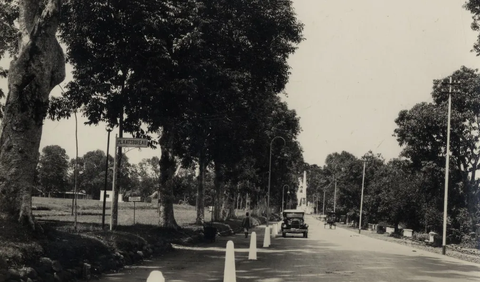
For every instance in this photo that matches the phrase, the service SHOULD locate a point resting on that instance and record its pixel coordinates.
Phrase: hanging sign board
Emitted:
(132, 142)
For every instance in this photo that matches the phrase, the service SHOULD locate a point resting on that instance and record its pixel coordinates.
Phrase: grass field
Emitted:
(58, 238)
(90, 211)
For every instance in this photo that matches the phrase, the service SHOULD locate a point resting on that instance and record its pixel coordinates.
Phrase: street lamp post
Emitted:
(288, 199)
(361, 199)
(270, 175)
(283, 196)
(106, 179)
(447, 163)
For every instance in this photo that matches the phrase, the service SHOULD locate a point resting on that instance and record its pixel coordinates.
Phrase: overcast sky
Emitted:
(360, 64)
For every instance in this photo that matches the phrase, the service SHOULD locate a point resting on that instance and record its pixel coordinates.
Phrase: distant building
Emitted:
(302, 204)
(110, 195)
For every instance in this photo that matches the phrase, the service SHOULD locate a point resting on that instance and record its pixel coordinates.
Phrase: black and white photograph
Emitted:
(239, 140)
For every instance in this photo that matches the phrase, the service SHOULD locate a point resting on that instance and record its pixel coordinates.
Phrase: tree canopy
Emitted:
(53, 169)
(422, 131)
(205, 73)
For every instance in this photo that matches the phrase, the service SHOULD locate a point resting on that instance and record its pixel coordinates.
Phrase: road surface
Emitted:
(327, 255)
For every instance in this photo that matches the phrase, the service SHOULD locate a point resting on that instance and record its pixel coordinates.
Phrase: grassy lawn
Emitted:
(90, 211)
(58, 241)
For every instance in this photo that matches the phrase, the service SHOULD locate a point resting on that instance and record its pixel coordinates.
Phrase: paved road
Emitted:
(327, 255)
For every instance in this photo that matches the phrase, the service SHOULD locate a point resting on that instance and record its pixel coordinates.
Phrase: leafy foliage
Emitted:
(53, 169)
(91, 176)
(474, 7)
(205, 73)
(8, 34)
(423, 129)
(148, 174)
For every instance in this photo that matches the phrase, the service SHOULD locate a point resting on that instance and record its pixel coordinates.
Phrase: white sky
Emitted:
(361, 63)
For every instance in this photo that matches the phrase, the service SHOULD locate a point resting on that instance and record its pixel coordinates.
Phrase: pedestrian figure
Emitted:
(246, 224)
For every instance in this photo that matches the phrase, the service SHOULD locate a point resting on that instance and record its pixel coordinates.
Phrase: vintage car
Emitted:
(294, 222)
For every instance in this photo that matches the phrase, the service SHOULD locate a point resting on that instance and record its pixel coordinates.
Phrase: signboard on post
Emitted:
(134, 199)
(123, 142)
(132, 142)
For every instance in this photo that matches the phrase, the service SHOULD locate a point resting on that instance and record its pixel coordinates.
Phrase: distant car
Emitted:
(294, 222)
(330, 220)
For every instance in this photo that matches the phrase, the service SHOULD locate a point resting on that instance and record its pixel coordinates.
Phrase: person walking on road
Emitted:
(246, 224)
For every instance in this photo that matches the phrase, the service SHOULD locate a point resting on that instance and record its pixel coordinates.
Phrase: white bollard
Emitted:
(155, 276)
(274, 230)
(266, 238)
(269, 241)
(229, 273)
(252, 251)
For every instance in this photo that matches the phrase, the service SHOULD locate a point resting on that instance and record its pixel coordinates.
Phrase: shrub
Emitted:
(469, 241)
(455, 236)
(422, 237)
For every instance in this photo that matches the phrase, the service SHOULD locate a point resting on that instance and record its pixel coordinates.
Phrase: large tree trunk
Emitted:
(229, 207)
(38, 67)
(165, 194)
(201, 190)
(219, 193)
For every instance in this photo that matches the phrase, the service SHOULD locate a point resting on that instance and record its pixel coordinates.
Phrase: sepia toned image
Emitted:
(239, 140)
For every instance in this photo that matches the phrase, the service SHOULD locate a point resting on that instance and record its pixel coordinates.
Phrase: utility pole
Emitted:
(116, 170)
(361, 199)
(447, 164)
(335, 194)
(75, 172)
(106, 180)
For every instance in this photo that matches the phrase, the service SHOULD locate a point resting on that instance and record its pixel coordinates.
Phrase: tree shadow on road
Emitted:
(300, 260)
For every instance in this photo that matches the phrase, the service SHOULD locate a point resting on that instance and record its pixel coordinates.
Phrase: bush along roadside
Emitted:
(68, 256)
(62, 255)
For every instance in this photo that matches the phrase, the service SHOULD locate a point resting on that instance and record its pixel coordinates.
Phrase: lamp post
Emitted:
(106, 178)
(447, 163)
(283, 194)
(324, 195)
(288, 199)
(270, 175)
(361, 199)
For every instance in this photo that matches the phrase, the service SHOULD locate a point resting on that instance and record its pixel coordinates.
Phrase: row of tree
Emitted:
(411, 189)
(200, 79)
(55, 175)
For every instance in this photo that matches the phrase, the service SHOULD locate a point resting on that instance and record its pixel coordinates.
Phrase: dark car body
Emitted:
(294, 222)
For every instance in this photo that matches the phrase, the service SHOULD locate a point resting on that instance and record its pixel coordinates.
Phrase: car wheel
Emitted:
(284, 234)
